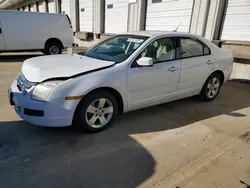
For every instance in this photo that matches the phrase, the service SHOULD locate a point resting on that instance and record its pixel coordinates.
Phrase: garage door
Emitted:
(116, 16)
(51, 6)
(33, 7)
(167, 15)
(65, 7)
(236, 25)
(86, 15)
(26, 8)
(41, 6)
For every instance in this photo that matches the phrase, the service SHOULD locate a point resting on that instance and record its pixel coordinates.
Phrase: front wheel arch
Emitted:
(112, 91)
(80, 122)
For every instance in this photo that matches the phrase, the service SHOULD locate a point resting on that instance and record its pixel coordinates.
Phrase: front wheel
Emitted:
(211, 88)
(96, 111)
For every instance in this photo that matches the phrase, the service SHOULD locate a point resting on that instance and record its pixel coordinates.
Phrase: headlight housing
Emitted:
(42, 91)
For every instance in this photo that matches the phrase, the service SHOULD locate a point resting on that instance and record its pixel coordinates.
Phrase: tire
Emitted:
(53, 48)
(211, 88)
(85, 114)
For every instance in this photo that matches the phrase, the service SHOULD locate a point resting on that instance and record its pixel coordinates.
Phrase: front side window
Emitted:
(116, 49)
(160, 50)
(192, 48)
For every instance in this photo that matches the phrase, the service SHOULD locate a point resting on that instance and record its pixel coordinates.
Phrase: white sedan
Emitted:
(126, 72)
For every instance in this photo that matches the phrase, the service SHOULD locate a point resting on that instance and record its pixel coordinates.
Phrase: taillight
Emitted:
(70, 24)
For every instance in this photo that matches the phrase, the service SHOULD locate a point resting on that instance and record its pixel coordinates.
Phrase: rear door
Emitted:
(1, 38)
(196, 66)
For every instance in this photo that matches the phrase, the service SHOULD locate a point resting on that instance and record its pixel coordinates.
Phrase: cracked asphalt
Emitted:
(185, 144)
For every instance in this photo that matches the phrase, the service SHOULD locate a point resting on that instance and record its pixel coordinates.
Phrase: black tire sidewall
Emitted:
(79, 120)
(47, 47)
(203, 94)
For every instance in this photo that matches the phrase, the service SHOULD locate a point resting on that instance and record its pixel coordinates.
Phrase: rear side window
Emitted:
(193, 48)
(206, 50)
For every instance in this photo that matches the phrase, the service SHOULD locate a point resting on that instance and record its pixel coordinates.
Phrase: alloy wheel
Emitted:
(99, 113)
(213, 87)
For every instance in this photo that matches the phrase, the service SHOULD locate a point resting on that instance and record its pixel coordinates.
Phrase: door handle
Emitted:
(172, 69)
(209, 62)
(0, 30)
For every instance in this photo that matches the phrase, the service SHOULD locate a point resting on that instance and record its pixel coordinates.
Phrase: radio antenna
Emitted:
(177, 27)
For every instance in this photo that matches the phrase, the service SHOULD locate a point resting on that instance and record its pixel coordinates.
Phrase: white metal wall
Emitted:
(33, 7)
(51, 6)
(41, 6)
(26, 8)
(168, 14)
(65, 7)
(236, 25)
(116, 16)
(86, 15)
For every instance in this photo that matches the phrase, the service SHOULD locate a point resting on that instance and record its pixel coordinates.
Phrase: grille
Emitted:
(23, 83)
(31, 112)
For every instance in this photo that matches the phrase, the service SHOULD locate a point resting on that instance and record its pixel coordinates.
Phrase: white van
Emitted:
(26, 31)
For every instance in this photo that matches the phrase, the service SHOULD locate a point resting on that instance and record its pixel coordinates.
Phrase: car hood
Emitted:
(42, 68)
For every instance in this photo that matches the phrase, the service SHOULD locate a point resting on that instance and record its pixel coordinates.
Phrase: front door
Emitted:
(157, 84)
(196, 66)
(1, 38)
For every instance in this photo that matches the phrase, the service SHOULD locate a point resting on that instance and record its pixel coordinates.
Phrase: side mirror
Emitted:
(145, 62)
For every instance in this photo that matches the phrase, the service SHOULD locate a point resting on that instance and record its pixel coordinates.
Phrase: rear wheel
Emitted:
(53, 48)
(211, 88)
(96, 112)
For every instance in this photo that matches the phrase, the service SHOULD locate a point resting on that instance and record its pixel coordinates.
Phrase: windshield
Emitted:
(116, 49)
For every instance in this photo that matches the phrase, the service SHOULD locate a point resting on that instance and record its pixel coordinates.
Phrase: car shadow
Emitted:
(17, 57)
(61, 157)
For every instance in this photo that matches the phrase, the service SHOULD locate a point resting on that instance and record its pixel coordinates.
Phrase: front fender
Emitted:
(114, 78)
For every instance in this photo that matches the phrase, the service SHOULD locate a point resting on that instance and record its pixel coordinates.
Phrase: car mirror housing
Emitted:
(145, 62)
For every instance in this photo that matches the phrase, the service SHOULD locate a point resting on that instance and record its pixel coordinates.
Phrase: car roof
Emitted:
(160, 33)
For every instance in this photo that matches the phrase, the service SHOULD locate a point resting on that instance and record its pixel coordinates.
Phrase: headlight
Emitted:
(42, 91)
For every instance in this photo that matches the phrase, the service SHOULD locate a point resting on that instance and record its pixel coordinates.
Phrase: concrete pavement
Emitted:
(185, 144)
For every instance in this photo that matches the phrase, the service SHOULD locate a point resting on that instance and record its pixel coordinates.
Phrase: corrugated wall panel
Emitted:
(236, 24)
(41, 6)
(116, 16)
(86, 15)
(65, 7)
(168, 14)
(33, 7)
(52, 6)
(26, 8)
